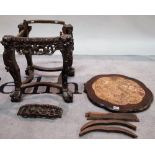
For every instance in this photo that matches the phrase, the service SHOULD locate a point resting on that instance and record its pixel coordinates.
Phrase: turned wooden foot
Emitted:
(16, 96)
(67, 96)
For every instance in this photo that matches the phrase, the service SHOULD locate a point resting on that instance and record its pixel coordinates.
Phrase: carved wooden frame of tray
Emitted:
(118, 93)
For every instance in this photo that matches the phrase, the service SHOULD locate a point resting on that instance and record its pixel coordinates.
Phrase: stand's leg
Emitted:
(24, 26)
(71, 71)
(68, 29)
(67, 95)
(29, 68)
(13, 68)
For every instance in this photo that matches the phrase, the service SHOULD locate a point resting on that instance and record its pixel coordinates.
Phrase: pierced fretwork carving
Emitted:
(22, 44)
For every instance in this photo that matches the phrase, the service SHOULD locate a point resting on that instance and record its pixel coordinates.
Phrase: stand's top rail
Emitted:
(39, 44)
(25, 28)
(45, 22)
(39, 40)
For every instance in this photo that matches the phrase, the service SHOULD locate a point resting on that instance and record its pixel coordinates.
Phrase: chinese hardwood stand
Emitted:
(23, 44)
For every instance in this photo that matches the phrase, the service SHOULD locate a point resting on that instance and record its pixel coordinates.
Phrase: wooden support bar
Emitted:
(28, 85)
(112, 116)
(47, 69)
(45, 21)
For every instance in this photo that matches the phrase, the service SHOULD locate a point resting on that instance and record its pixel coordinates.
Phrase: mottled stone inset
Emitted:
(118, 90)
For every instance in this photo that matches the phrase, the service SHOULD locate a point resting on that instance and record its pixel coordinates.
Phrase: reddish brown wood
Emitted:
(141, 106)
(112, 116)
(45, 69)
(102, 128)
(108, 122)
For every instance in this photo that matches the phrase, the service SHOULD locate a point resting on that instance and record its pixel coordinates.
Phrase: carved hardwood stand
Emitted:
(39, 46)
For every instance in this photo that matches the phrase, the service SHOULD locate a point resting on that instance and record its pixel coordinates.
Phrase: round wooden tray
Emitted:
(118, 93)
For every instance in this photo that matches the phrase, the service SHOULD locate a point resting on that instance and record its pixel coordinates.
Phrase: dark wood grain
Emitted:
(102, 128)
(112, 116)
(40, 111)
(141, 106)
(108, 122)
(28, 46)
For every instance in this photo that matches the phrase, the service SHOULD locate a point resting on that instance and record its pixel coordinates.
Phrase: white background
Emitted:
(95, 35)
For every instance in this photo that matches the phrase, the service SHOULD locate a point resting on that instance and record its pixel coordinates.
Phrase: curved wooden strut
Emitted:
(108, 122)
(107, 129)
